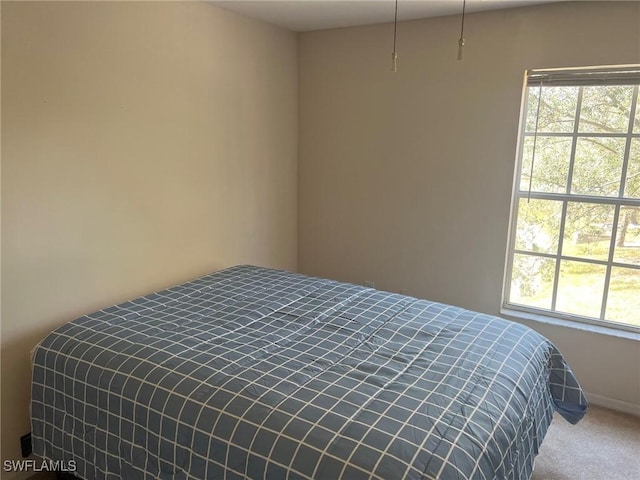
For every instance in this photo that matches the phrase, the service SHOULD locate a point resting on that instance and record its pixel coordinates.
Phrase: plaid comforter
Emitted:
(252, 373)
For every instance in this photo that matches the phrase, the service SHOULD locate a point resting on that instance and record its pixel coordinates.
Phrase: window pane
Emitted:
(557, 110)
(580, 288)
(551, 166)
(636, 123)
(628, 237)
(587, 230)
(623, 302)
(598, 166)
(532, 281)
(632, 186)
(605, 109)
(538, 227)
(582, 142)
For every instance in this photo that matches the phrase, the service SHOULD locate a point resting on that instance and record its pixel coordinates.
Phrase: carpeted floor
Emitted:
(605, 445)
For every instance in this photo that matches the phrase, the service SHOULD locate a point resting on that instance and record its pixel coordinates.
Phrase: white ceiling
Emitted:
(306, 15)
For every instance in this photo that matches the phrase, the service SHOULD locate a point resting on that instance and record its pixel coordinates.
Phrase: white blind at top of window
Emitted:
(614, 75)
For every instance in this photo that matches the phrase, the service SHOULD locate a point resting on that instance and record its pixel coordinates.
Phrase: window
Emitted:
(574, 242)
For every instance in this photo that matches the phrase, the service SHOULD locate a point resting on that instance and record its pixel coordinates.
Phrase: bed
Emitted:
(255, 373)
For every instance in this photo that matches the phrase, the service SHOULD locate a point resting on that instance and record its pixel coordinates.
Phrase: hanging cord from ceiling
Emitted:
(461, 39)
(394, 55)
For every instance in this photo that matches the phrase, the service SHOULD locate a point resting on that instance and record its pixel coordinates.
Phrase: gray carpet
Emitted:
(605, 445)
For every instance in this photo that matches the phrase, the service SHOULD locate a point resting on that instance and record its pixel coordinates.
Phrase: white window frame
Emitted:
(626, 74)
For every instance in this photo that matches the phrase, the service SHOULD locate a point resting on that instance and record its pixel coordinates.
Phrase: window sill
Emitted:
(513, 314)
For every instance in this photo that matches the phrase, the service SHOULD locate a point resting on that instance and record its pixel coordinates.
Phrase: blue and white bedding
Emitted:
(252, 373)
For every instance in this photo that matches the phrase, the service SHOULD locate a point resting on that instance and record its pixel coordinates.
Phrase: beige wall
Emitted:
(143, 144)
(405, 179)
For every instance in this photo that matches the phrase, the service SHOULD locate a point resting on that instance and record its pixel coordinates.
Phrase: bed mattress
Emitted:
(254, 373)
